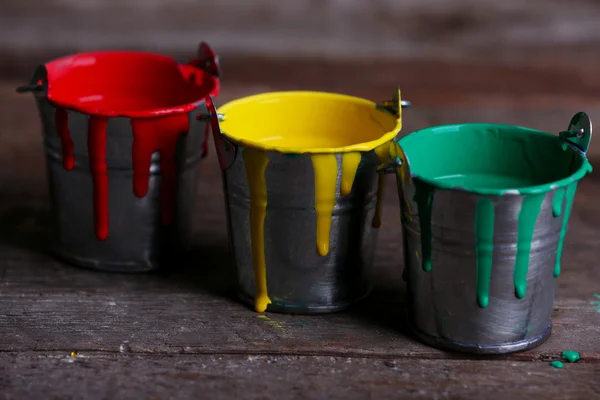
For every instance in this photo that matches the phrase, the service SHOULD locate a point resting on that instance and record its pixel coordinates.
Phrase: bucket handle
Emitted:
(394, 107)
(226, 151)
(207, 60)
(395, 104)
(38, 83)
(579, 133)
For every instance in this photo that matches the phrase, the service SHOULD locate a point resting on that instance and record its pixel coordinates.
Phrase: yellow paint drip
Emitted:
(256, 162)
(350, 163)
(383, 154)
(325, 166)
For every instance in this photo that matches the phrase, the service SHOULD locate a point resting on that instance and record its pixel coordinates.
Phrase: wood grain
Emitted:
(129, 376)
(514, 31)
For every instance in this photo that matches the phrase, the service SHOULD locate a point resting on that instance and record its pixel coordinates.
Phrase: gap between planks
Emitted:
(586, 357)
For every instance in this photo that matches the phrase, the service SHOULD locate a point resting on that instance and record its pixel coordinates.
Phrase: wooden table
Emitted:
(69, 333)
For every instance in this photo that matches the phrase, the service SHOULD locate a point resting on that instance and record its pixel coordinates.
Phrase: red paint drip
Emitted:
(151, 135)
(98, 167)
(61, 118)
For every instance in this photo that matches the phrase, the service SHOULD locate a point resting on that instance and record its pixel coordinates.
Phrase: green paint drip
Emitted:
(424, 200)
(484, 240)
(557, 364)
(557, 202)
(569, 196)
(570, 355)
(530, 209)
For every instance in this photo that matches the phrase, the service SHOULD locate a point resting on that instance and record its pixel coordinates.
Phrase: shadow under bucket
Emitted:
(123, 153)
(485, 210)
(303, 195)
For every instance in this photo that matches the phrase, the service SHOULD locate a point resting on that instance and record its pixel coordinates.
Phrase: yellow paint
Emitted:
(274, 324)
(325, 166)
(256, 162)
(317, 123)
(350, 163)
(383, 155)
(307, 122)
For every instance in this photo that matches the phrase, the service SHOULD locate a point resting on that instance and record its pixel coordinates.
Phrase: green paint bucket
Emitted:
(485, 210)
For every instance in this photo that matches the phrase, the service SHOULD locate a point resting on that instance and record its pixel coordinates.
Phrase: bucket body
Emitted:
(123, 160)
(485, 210)
(302, 220)
(299, 279)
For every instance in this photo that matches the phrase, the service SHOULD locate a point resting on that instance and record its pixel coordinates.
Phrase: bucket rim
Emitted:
(583, 169)
(386, 137)
(213, 87)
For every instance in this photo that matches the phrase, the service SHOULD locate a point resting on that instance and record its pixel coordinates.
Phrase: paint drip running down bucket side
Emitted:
(303, 195)
(119, 125)
(485, 210)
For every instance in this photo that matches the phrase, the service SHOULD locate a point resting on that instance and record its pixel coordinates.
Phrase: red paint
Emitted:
(153, 90)
(128, 84)
(61, 118)
(98, 167)
(151, 135)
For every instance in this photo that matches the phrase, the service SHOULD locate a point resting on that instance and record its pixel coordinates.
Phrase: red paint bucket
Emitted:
(123, 150)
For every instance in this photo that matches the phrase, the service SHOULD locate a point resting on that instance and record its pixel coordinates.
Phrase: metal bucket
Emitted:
(300, 182)
(485, 210)
(123, 153)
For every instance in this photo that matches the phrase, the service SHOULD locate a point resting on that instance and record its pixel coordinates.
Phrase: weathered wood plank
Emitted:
(511, 30)
(48, 306)
(125, 376)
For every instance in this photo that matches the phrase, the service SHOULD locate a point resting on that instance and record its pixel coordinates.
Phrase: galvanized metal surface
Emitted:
(299, 280)
(442, 305)
(137, 240)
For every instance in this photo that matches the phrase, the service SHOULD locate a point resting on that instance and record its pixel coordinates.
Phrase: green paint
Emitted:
(489, 180)
(570, 355)
(492, 159)
(596, 303)
(530, 209)
(569, 196)
(424, 200)
(557, 364)
(557, 202)
(484, 239)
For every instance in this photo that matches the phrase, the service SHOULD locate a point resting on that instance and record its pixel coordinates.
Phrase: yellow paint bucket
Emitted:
(303, 195)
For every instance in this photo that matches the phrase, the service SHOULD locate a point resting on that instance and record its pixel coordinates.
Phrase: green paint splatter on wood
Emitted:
(557, 364)
(570, 355)
(596, 303)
